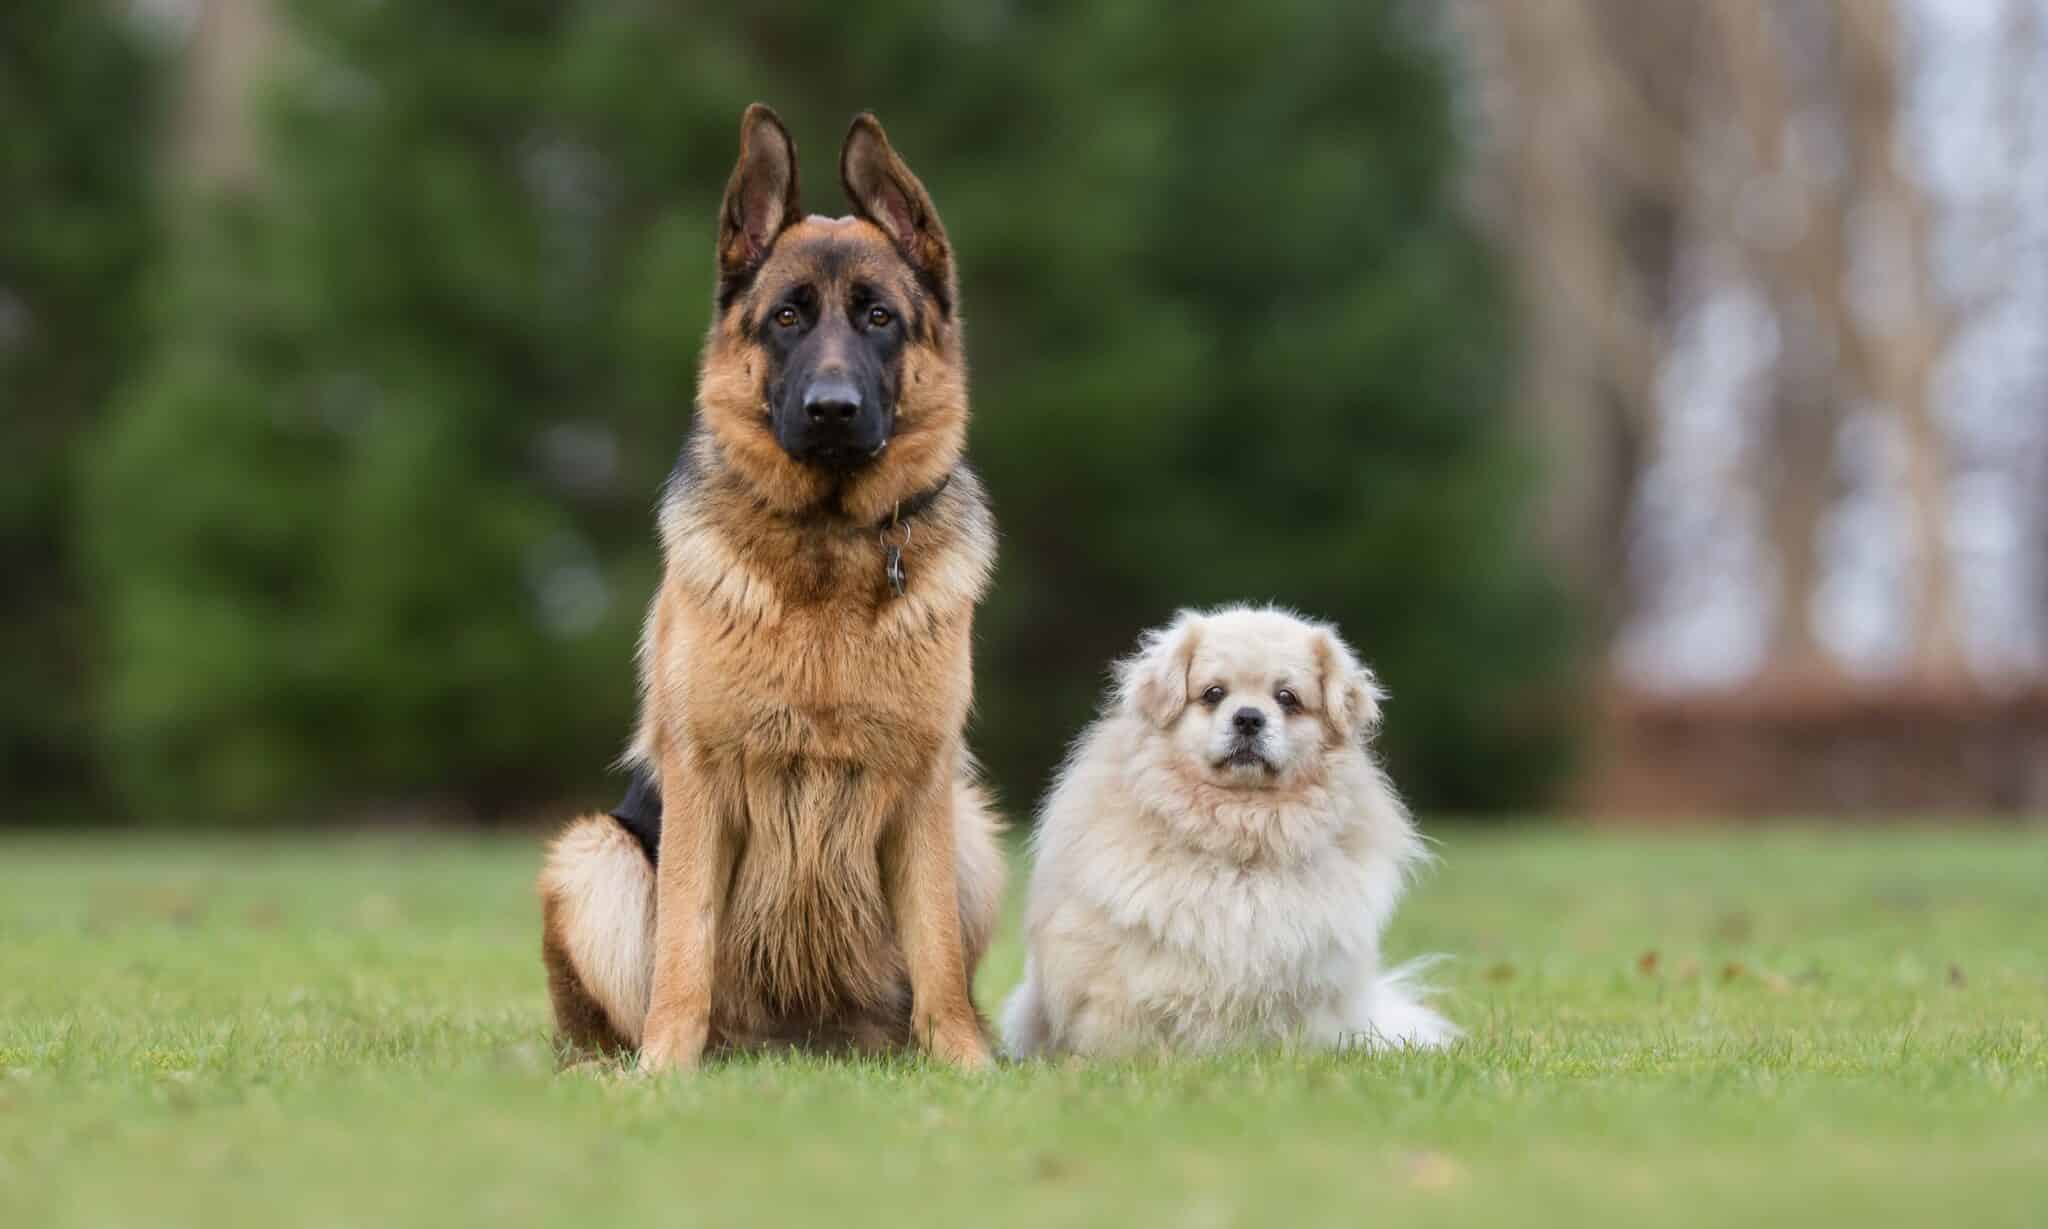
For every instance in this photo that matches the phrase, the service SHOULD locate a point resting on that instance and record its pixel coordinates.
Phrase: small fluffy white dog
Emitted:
(1220, 855)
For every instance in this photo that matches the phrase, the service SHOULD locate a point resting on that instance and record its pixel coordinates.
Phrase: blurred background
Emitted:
(1655, 391)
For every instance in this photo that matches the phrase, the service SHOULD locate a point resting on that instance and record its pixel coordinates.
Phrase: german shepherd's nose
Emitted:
(830, 404)
(835, 431)
(839, 426)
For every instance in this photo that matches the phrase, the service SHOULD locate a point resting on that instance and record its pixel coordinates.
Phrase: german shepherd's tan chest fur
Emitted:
(820, 707)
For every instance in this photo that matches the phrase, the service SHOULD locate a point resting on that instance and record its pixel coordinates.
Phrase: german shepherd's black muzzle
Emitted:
(834, 405)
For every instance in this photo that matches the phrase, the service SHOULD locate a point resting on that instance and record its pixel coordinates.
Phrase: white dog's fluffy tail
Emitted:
(1024, 1024)
(1392, 1013)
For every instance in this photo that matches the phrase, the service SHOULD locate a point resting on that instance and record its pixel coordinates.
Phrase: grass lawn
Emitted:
(1797, 1028)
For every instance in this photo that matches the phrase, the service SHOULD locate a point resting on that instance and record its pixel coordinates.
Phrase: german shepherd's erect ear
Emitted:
(760, 199)
(881, 189)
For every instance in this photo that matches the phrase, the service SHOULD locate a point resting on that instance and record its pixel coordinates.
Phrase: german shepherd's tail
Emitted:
(597, 933)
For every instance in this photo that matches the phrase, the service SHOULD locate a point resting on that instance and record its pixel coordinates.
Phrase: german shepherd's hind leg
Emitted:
(597, 936)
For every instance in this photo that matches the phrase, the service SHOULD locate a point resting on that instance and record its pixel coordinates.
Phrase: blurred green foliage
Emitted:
(78, 224)
(372, 524)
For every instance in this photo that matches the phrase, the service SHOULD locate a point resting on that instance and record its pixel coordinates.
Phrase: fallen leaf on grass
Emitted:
(161, 903)
(1732, 970)
(173, 905)
(1502, 971)
(1733, 927)
(1431, 1171)
(377, 910)
(1646, 964)
(1956, 978)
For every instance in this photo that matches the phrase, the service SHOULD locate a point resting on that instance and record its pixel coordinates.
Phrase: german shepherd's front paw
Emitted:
(961, 1046)
(677, 1046)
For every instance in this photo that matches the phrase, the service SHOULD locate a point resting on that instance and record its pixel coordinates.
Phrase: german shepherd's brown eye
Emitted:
(786, 317)
(1214, 696)
(1289, 702)
(879, 317)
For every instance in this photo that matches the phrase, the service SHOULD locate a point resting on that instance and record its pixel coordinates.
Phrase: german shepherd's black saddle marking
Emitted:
(640, 813)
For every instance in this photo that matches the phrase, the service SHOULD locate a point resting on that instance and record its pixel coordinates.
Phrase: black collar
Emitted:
(900, 518)
(917, 503)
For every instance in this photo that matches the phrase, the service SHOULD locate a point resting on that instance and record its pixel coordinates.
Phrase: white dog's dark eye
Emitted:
(1288, 700)
(1213, 696)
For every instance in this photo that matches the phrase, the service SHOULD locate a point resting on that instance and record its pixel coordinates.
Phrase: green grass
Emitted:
(1802, 1028)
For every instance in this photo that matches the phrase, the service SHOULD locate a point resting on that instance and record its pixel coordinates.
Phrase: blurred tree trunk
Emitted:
(215, 142)
(1790, 227)
(1833, 350)
(1588, 102)
(1905, 359)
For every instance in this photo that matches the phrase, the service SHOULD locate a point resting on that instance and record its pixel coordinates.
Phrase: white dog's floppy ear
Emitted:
(1153, 682)
(1351, 695)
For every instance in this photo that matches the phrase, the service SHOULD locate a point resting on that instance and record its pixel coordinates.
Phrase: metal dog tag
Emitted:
(892, 567)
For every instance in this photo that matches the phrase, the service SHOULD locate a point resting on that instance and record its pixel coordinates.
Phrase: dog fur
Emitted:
(828, 870)
(1219, 856)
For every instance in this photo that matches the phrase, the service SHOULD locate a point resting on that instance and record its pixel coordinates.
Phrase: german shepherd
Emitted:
(804, 858)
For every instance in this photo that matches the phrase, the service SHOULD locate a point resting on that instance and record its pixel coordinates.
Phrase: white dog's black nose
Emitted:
(1248, 720)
